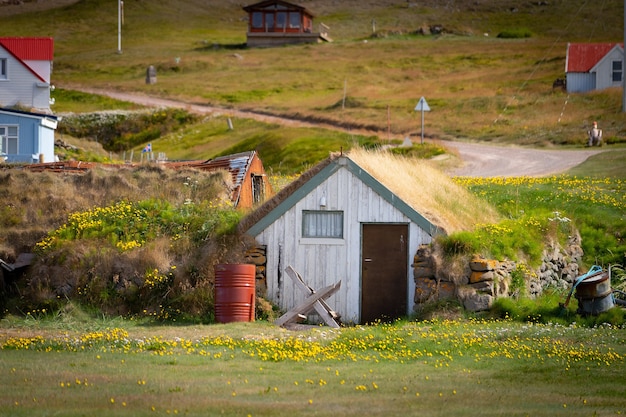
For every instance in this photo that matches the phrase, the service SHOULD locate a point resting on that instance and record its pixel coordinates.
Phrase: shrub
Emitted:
(123, 130)
(515, 33)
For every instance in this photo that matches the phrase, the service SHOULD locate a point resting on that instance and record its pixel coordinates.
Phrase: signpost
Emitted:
(422, 106)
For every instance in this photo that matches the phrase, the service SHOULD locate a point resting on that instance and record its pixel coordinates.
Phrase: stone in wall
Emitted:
(473, 300)
(559, 267)
(257, 256)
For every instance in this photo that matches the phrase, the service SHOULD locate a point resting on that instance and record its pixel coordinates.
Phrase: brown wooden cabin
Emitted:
(273, 23)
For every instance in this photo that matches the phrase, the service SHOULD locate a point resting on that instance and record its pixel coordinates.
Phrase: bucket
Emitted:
(594, 294)
(234, 292)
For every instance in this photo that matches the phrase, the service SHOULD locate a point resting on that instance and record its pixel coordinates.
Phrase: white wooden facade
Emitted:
(340, 186)
(24, 82)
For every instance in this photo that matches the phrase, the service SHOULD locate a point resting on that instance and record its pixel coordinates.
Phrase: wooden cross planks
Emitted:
(315, 300)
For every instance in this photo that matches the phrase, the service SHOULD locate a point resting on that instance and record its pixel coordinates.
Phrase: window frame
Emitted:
(4, 69)
(294, 20)
(617, 74)
(308, 235)
(257, 20)
(9, 140)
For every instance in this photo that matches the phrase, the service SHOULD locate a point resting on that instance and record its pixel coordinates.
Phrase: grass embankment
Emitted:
(254, 369)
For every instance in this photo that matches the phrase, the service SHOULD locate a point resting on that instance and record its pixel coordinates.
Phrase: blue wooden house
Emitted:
(26, 137)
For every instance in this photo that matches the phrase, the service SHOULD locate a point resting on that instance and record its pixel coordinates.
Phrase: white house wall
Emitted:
(323, 262)
(604, 69)
(22, 86)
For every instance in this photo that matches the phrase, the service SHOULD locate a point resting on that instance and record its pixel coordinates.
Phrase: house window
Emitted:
(617, 71)
(281, 20)
(9, 136)
(4, 69)
(258, 188)
(294, 20)
(269, 22)
(257, 20)
(322, 224)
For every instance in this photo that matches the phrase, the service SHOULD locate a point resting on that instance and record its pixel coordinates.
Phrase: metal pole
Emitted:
(119, 26)
(423, 122)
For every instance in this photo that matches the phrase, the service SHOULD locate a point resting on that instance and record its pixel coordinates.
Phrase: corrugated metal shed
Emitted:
(242, 167)
(236, 164)
(30, 49)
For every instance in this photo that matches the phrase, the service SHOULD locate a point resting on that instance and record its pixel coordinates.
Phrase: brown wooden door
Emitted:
(384, 267)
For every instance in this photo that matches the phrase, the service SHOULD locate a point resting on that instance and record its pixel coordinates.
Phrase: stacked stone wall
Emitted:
(484, 280)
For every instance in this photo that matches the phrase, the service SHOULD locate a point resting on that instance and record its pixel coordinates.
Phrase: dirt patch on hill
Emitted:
(15, 7)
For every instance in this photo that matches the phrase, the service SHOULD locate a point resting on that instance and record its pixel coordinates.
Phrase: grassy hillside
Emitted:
(479, 86)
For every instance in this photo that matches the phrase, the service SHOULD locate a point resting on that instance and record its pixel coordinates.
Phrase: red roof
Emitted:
(581, 57)
(30, 49)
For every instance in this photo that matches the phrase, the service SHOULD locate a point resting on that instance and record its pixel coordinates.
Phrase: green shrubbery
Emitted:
(515, 33)
(140, 258)
(124, 130)
(541, 210)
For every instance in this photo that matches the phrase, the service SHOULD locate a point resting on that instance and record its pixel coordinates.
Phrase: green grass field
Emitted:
(479, 85)
(435, 368)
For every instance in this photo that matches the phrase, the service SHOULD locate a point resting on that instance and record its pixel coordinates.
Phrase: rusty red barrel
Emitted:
(234, 292)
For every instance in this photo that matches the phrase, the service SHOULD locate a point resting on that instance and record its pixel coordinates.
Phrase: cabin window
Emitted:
(258, 188)
(322, 224)
(294, 20)
(3, 69)
(8, 139)
(269, 22)
(257, 20)
(281, 20)
(617, 71)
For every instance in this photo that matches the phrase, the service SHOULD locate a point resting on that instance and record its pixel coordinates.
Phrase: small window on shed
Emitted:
(322, 224)
(258, 188)
(617, 71)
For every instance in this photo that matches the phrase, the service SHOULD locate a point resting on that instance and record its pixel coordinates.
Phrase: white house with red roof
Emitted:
(594, 66)
(25, 70)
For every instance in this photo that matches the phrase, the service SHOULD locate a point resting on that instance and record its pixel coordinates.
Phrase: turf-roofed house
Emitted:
(335, 223)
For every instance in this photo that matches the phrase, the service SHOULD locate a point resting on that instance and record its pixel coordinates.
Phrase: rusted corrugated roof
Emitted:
(237, 165)
(581, 57)
(30, 49)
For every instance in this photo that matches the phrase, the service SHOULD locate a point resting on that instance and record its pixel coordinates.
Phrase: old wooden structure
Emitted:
(339, 223)
(250, 185)
(273, 23)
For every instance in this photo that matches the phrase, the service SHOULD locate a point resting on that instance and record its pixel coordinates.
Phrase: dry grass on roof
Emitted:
(428, 190)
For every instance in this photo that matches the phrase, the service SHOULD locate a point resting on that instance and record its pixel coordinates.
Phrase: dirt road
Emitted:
(479, 160)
